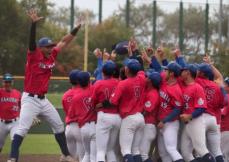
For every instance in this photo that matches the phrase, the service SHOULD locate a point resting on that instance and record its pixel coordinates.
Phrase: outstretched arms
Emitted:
(32, 38)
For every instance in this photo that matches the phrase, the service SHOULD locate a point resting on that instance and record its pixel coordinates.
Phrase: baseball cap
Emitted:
(83, 78)
(149, 71)
(121, 48)
(45, 42)
(109, 67)
(7, 77)
(174, 67)
(155, 78)
(191, 67)
(207, 70)
(226, 80)
(73, 76)
(133, 65)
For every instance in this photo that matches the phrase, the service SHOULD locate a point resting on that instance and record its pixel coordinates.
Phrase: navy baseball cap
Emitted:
(149, 71)
(73, 76)
(121, 48)
(83, 78)
(207, 70)
(226, 80)
(155, 78)
(109, 67)
(132, 64)
(7, 77)
(191, 67)
(173, 67)
(46, 42)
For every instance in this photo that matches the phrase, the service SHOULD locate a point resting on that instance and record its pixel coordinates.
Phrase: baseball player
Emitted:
(215, 102)
(82, 108)
(193, 135)
(39, 65)
(171, 102)
(73, 136)
(225, 123)
(128, 96)
(10, 104)
(151, 105)
(108, 119)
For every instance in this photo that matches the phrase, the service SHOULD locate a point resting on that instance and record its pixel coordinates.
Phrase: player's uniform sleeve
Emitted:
(155, 64)
(151, 102)
(94, 95)
(200, 98)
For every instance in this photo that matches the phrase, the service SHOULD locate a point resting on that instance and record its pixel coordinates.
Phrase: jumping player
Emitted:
(73, 136)
(10, 104)
(39, 65)
(108, 119)
(82, 108)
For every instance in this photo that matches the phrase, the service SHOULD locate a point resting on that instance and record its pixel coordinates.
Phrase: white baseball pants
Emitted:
(107, 131)
(225, 144)
(74, 141)
(88, 140)
(131, 134)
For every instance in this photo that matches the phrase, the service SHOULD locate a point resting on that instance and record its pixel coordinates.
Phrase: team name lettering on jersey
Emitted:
(46, 66)
(186, 101)
(165, 97)
(8, 99)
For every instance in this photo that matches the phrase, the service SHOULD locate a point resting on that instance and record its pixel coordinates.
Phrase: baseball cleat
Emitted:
(66, 159)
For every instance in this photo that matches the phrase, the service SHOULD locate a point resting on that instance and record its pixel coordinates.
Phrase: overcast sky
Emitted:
(109, 6)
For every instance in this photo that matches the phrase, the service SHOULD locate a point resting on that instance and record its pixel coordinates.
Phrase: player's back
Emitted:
(129, 95)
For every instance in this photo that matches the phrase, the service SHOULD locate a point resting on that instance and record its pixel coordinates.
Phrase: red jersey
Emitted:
(38, 70)
(128, 95)
(102, 91)
(151, 105)
(170, 97)
(82, 106)
(224, 125)
(194, 97)
(10, 104)
(66, 103)
(214, 97)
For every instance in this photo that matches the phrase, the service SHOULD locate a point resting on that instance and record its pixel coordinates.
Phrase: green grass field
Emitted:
(55, 99)
(35, 144)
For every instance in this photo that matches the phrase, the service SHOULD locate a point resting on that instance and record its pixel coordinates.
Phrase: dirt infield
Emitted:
(34, 158)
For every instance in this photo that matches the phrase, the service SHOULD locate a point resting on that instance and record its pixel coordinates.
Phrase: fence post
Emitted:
(127, 13)
(154, 23)
(72, 15)
(206, 27)
(100, 11)
(181, 34)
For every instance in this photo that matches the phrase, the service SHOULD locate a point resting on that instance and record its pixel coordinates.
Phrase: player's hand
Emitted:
(160, 125)
(160, 53)
(207, 59)
(106, 55)
(98, 53)
(32, 13)
(113, 55)
(145, 56)
(176, 52)
(185, 117)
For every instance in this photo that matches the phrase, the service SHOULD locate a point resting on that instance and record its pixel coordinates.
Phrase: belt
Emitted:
(8, 121)
(38, 96)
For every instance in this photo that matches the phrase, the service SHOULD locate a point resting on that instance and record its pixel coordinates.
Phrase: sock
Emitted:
(208, 158)
(15, 145)
(128, 158)
(61, 140)
(219, 158)
(180, 160)
(137, 158)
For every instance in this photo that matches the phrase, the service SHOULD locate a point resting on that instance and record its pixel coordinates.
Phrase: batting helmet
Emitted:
(73, 76)
(173, 67)
(45, 42)
(109, 68)
(7, 77)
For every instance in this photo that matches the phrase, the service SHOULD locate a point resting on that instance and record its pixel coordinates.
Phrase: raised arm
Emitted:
(69, 37)
(32, 37)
